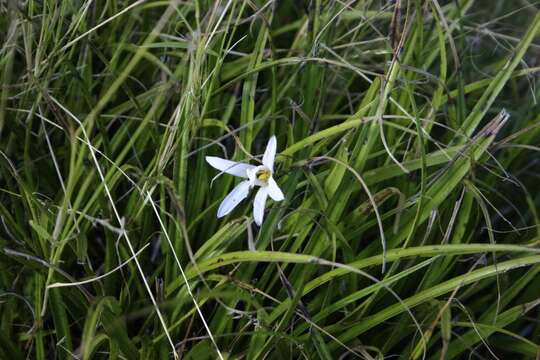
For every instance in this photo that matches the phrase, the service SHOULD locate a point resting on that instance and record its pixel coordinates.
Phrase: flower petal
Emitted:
(274, 191)
(252, 176)
(270, 153)
(258, 205)
(239, 193)
(229, 167)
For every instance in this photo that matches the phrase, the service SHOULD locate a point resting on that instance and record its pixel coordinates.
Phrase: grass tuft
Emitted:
(407, 138)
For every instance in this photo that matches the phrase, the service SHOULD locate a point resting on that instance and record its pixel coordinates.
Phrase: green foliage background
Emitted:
(408, 137)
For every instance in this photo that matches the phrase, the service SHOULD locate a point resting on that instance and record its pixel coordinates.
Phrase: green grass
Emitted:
(407, 135)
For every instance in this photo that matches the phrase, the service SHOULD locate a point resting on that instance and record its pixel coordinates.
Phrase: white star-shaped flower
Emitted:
(261, 176)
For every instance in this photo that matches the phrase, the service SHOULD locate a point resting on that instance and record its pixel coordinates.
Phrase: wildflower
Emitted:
(261, 176)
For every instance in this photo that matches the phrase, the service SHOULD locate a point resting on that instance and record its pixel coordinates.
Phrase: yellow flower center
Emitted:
(263, 175)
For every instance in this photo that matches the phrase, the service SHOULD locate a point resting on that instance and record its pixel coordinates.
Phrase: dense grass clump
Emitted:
(407, 150)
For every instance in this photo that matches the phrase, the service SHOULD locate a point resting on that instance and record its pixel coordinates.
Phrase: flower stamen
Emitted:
(263, 175)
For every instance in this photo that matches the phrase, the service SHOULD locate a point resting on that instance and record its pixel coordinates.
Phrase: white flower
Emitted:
(256, 176)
